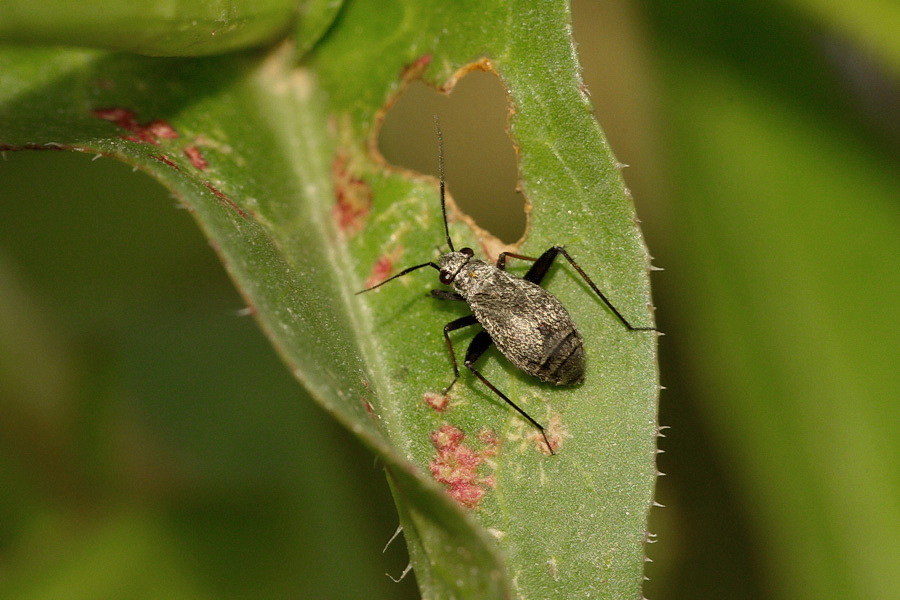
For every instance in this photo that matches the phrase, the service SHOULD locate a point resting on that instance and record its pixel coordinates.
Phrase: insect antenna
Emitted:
(400, 274)
(440, 137)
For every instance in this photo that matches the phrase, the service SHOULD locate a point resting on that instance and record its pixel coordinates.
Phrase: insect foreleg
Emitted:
(452, 326)
(445, 295)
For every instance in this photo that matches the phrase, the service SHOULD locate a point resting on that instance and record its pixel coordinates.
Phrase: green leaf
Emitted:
(263, 150)
(182, 28)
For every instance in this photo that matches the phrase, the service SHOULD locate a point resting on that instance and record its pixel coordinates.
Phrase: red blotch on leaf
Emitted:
(488, 437)
(196, 158)
(165, 160)
(149, 133)
(415, 69)
(456, 465)
(120, 116)
(354, 198)
(161, 129)
(438, 402)
(381, 270)
(556, 433)
(225, 199)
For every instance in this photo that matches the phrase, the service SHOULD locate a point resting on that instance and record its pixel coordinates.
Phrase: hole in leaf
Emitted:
(479, 159)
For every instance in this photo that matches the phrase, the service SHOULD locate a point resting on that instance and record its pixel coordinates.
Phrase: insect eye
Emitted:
(467, 251)
(446, 277)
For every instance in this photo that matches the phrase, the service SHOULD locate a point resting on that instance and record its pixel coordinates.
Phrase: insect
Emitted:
(527, 323)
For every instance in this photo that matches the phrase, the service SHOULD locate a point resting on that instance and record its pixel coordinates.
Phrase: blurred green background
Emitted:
(152, 445)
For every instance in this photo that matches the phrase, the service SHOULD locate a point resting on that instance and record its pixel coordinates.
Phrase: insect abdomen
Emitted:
(564, 363)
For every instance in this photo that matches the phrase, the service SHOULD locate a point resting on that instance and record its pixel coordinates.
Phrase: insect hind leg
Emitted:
(480, 343)
(542, 264)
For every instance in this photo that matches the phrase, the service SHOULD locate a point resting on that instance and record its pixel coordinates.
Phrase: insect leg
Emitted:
(480, 343)
(452, 326)
(501, 260)
(445, 295)
(560, 249)
(539, 269)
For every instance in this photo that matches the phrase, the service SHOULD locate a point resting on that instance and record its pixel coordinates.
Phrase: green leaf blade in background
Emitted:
(275, 141)
(870, 25)
(792, 447)
(779, 214)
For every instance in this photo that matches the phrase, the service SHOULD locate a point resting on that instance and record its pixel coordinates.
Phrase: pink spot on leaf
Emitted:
(161, 129)
(490, 441)
(354, 198)
(149, 133)
(381, 270)
(438, 402)
(120, 116)
(456, 465)
(415, 69)
(384, 267)
(165, 160)
(196, 158)
(556, 433)
(225, 199)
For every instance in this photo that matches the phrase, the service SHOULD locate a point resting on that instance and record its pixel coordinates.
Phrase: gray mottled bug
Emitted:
(528, 324)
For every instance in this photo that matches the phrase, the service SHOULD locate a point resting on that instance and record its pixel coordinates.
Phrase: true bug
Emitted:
(528, 324)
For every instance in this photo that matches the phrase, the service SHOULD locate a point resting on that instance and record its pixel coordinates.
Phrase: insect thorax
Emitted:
(476, 276)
